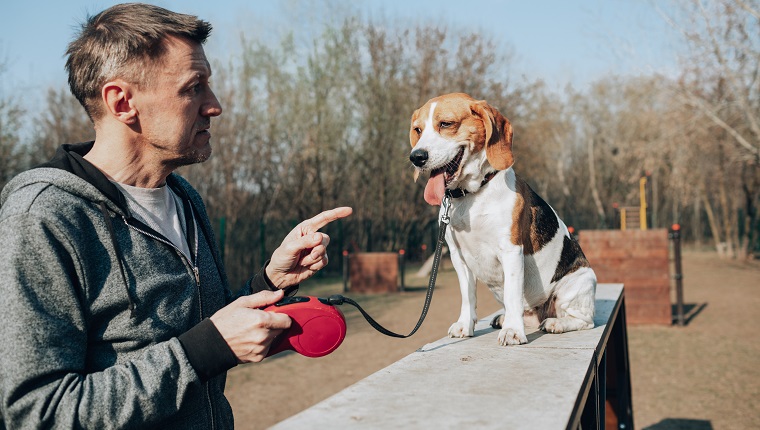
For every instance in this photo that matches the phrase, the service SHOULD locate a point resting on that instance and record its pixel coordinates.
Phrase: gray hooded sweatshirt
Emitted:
(104, 323)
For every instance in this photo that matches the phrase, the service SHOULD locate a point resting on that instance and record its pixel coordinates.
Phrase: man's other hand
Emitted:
(303, 252)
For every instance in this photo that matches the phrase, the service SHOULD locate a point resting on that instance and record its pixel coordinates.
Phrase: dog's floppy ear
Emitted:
(498, 139)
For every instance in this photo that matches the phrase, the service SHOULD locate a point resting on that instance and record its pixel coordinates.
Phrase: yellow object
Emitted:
(622, 219)
(643, 206)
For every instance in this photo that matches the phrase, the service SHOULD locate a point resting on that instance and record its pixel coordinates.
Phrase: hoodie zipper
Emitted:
(196, 273)
(70, 159)
(190, 261)
(200, 302)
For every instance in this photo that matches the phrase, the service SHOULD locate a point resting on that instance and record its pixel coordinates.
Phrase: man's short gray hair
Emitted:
(123, 41)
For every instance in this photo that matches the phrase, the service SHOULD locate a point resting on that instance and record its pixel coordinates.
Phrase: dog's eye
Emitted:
(445, 124)
(418, 130)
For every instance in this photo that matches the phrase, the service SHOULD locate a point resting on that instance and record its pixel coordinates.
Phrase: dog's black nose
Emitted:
(418, 157)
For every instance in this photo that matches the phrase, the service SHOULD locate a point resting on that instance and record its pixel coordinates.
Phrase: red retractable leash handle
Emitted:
(318, 327)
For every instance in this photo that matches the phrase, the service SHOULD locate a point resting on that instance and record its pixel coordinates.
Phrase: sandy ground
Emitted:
(702, 376)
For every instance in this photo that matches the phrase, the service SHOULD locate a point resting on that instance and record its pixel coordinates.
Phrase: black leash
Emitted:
(338, 299)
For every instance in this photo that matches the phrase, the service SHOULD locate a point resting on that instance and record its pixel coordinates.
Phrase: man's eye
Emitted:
(197, 87)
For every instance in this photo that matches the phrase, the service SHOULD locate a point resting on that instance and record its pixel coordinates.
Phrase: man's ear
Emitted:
(117, 96)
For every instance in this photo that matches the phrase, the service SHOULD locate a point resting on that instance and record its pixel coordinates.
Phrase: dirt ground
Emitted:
(702, 376)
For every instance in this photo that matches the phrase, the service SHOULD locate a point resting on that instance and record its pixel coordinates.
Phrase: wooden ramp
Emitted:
(556, 381)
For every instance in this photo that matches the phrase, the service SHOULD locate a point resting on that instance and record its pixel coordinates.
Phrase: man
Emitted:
(116, 311)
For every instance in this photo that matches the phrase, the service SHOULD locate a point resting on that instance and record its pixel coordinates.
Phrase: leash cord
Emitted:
(338, 299)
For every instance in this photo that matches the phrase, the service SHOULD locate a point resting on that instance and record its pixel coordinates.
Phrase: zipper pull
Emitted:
(197, 276)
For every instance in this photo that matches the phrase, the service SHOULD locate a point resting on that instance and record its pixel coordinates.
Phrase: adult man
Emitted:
(116, 311)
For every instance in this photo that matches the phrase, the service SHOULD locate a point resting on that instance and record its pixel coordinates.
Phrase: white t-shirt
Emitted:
(161, 209)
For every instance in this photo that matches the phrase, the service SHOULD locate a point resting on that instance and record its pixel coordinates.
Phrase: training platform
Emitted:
(555, 381)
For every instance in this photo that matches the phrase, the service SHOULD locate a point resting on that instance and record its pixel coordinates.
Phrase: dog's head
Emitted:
(458, 140)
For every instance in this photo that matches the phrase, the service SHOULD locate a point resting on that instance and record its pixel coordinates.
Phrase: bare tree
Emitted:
(63, 120)
(723, 51)
(11, 150)
(721, 85)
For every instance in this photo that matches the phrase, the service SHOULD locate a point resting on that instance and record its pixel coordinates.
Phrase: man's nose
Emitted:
(211, 107)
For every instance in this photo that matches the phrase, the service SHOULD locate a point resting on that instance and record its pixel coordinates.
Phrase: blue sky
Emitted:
(570, 41)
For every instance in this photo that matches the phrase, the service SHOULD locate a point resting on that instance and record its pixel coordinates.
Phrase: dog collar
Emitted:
(459, 192)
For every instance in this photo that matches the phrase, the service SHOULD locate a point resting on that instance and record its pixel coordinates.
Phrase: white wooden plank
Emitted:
(471, 383)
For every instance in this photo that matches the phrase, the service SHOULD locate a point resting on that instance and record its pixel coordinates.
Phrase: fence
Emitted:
(247, 245)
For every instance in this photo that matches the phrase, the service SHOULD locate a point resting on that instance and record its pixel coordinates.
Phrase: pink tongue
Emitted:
(435, 189)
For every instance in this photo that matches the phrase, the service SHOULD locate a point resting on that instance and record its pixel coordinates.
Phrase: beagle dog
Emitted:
(501, 232)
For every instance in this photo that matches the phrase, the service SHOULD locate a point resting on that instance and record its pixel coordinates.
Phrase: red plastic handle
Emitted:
(317, 329)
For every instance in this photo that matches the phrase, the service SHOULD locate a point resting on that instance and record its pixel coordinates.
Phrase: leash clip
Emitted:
(446, 203)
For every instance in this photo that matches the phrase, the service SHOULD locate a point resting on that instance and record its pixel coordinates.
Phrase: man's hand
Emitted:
(248, 330)
(303, 251)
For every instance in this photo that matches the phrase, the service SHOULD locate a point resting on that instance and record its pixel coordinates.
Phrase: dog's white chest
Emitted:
(480, 235)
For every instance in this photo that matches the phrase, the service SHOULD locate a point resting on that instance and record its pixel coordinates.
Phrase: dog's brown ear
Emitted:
(498, 135)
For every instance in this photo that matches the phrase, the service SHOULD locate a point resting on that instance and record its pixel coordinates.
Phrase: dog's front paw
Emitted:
(459, 330)
(510, 336)
(564, 325)
(552, 325)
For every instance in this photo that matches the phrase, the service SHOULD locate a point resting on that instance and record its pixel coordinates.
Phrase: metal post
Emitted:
(401, 264)
(675, 236)
(368, 231)
(345, 271)
(341, 240)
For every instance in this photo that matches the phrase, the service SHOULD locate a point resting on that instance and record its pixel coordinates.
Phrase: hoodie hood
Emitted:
(69, 171)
